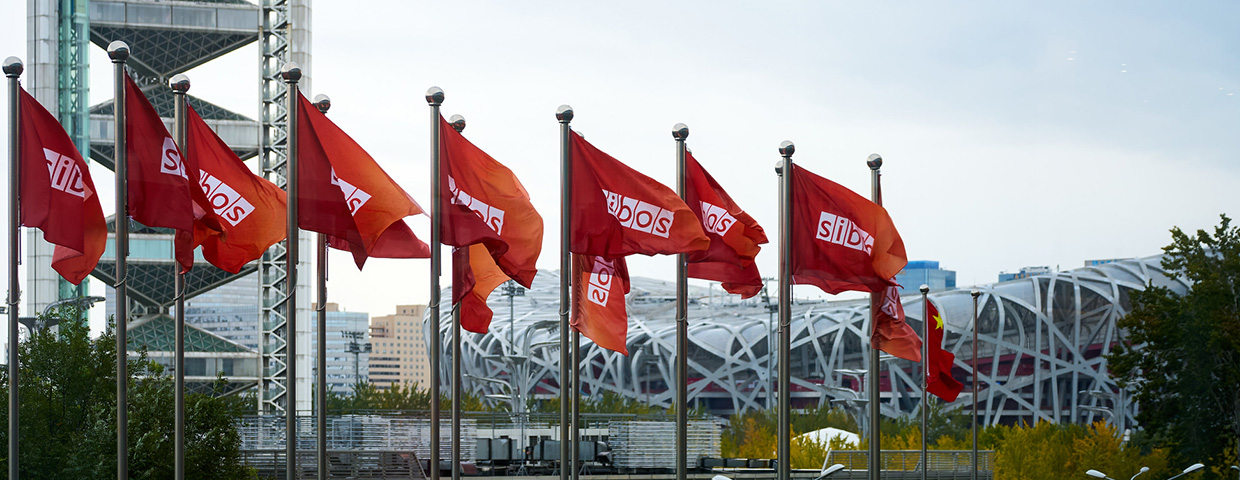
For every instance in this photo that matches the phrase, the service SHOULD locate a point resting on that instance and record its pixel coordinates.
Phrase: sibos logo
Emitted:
(65, 173)
(491, 216)
(601, 276)
(226, 202)
(716, 219)
(638, 215)
(353, 196)
(890, 302)
(841, 231)
(171, 162)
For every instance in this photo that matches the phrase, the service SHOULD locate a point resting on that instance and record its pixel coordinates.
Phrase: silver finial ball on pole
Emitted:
(874, 161)
(779, 167)
(13, 67)
(458, 122)
(925, 288)
(322, 102)
(976, 293)
(786, 148)
(434, 96)
(290, 72)
(118, 51)
(179, 83)
(680, 131)
(564, 114)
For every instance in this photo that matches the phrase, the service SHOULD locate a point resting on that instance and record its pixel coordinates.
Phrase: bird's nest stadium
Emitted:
(1042, 347)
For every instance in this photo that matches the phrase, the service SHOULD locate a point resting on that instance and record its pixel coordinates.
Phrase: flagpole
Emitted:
(322, 103)
(118, 51)
(434, 97)
(783, 439)
(13, 69)
(680, 132)
(564, 114)
(179, 85)
(575, 445)
(876, 462)
(975, 293)
(925, 375)
(458, 124)
(291, 74)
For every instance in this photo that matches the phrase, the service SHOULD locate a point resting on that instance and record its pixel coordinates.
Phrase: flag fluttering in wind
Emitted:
(488, 216)
(939, 362)
(841, 241)
(343, 193)
(600, 285)
(162, 190)
(891, 333)
(734, 235)
(617, 211)
(246, 212)
(57, 193)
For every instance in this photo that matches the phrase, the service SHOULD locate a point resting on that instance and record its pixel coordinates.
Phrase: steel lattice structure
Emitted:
(1042, 342)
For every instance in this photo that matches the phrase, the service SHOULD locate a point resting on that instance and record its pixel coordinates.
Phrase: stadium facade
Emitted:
(1042, 347)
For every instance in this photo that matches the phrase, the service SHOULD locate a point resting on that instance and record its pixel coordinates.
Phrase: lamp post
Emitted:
(1117, 410)
(356, 347)
(1096, 474)
(1143, 470)
(1191, 468)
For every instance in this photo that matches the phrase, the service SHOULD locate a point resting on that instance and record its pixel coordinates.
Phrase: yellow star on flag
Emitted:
(938, 322)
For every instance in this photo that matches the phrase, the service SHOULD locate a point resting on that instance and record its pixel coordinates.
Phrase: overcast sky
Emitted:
(1014, 133)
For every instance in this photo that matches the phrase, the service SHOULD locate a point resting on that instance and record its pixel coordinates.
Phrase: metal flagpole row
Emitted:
(875, 162)
(458, 124)
(118, 51)
(13, 69)
(434, 97)
(564, 114)
(180, 86)
(925, 374)
(973, 472)
(783, 442)
(291, 73)
(680, 132)
(322, 103)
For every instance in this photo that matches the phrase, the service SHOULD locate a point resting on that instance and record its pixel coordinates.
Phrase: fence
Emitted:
(943, 464)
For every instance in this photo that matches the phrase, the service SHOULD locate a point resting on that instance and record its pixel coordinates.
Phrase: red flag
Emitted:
(841, 241)
(618, 211)
(487, 214)
(939, 362)
(344, 194)
(891, 333)
(244, 214)
(57, 193)
(161, 190)
(599, 286)
(734, 235)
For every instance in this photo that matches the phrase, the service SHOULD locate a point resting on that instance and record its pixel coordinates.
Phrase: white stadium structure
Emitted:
(1042, 346)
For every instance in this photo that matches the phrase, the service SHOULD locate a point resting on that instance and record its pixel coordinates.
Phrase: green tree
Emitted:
(68, 414)
(1182, 356)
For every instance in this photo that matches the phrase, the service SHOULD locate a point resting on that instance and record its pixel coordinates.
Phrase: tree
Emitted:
(1182, 356)
(68, 414)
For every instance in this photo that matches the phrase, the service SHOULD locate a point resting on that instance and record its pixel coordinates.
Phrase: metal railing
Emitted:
(939, 461)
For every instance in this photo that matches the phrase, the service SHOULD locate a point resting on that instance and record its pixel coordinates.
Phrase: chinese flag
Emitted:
(246, 212)
(57, 193)
(618, 211)
(891, 333)
(344, 194)
(734, 235)
(939, 379)
(840, 240)
(487, 214)
(161, 189)
(599, 286)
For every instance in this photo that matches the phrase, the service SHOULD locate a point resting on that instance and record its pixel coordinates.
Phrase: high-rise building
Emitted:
(399, 356)
(1025, 272)
(348, 359)
(927, 272)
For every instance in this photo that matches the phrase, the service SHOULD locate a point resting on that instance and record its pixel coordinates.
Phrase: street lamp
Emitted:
(46, 320)
(826, 472)
(1191, 468)
(356, 347)
(1096, 474)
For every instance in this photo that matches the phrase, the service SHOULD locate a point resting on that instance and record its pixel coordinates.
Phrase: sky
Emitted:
(1014, 133)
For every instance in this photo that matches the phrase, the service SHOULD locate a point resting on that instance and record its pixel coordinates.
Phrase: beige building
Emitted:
(399, 354)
